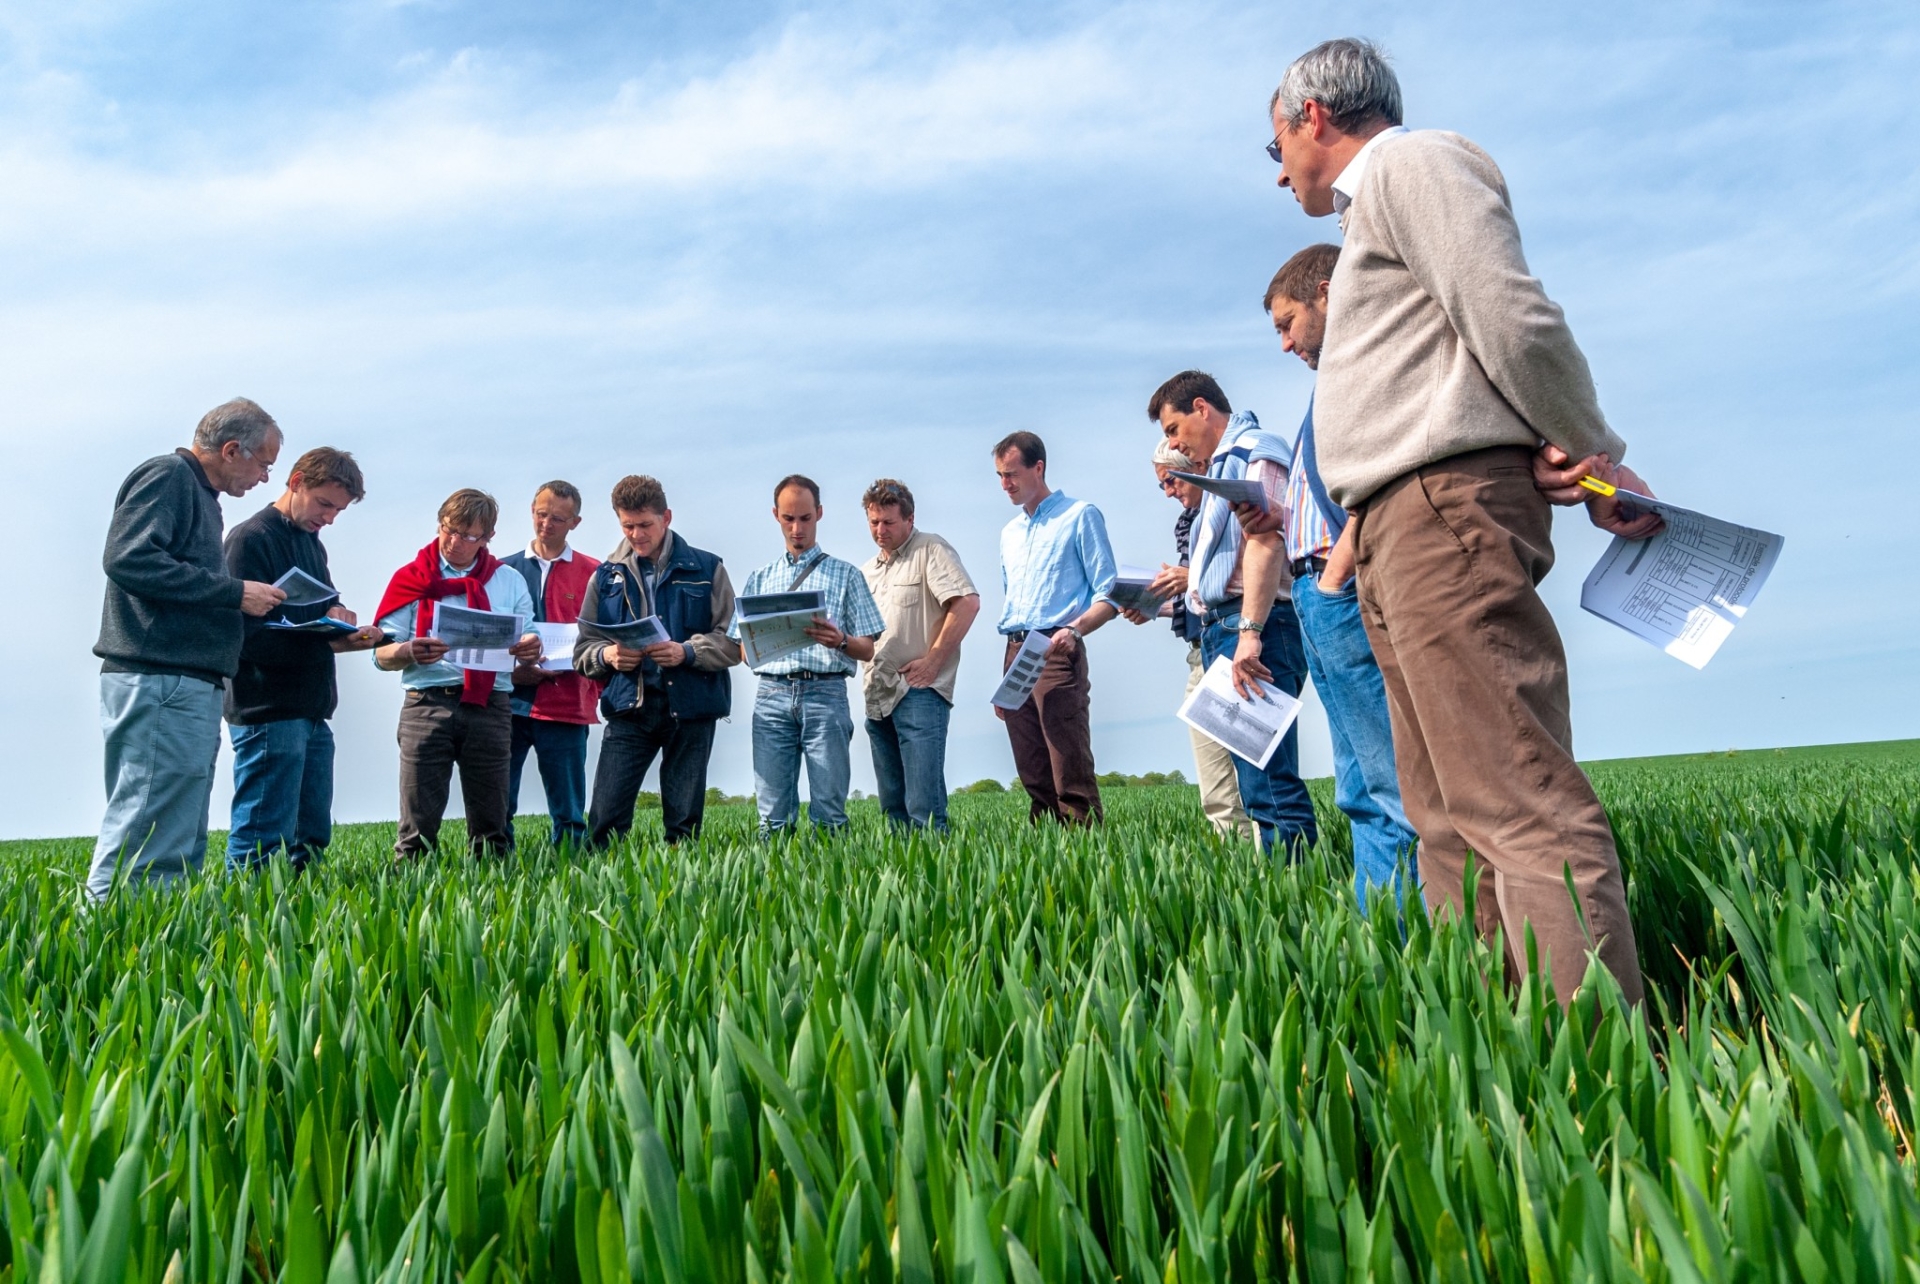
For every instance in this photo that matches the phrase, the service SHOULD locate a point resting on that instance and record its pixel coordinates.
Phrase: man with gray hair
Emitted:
(170, 637)
(1443, 369)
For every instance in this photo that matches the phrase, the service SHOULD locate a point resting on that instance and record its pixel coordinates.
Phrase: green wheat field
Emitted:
(1007, 1055)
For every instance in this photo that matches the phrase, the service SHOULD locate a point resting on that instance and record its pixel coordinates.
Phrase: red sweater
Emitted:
(568, 697)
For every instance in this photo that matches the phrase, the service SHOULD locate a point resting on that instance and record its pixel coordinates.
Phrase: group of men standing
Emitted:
(1394, 558)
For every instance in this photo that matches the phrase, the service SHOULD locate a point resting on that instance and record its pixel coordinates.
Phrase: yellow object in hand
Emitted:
(1599, 487)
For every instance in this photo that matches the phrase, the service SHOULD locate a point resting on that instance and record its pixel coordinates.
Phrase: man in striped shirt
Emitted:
(1319, 544)
(1239, 587)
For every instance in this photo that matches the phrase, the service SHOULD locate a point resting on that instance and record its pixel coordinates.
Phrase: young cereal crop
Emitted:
(1007, 1055)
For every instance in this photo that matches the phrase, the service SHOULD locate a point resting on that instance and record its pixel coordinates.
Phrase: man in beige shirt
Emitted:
(929, 603)
(1453, 406)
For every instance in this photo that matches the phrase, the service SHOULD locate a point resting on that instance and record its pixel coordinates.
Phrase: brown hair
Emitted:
(638, 494)
(469, 507)
(803, 482)
(561, 490)
(1299, 278)
(1032, 449)
(888, 493)
(325, 466)
(1180, 391)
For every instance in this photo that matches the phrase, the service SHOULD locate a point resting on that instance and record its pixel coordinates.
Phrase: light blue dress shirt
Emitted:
(1054, 564)
(506, 593)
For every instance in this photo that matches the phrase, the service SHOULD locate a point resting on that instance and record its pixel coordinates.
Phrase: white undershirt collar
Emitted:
(1347, 185)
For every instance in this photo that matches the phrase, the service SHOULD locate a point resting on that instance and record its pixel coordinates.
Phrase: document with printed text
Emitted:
(1684, 589)
(556, 645)
(477, 639)
(1250, 729)
(303, 590)
(1233, 490)
(1131, 591)
(1024, 673)
(635, 636)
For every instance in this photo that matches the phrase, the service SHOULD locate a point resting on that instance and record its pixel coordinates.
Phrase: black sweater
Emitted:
(170, 605)
(282, 675)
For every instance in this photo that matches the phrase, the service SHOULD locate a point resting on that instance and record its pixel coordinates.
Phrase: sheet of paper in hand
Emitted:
(635, 636)
(556, 645)
(1024, 673)
(1251, 729)
(303, 590)
(326, 625)
(477, 639)
(763, 604)
(1131, 592)
(1684, 589)
(765, 638)
(1235, 490)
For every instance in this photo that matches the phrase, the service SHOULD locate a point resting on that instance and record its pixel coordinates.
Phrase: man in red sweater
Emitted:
(553, 707)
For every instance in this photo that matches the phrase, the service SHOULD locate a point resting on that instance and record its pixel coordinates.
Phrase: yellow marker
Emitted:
(1599, 487)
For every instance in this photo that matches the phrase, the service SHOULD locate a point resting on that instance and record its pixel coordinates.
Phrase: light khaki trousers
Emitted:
(1219, 786)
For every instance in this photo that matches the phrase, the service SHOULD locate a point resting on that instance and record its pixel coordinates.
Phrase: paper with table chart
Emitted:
(1684, 589)
(478, 639)
(1023, 675)
(302, 589)
(1235, 490)
(774, 625)
(1131, 591)
(556, 645)
(1251, 729)
(637, 635)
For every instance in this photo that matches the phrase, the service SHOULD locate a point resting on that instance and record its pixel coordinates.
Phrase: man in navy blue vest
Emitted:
(662, 699)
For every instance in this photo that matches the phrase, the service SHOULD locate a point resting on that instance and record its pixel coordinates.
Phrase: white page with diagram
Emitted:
(478, 639)
(1023, 675)
(1250, 729)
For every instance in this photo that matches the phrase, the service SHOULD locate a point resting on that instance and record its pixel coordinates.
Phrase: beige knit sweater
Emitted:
(1438, 339)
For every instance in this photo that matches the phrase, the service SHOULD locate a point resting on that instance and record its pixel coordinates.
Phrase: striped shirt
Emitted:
(849, 605)
(1246, 451)
(1308, 534)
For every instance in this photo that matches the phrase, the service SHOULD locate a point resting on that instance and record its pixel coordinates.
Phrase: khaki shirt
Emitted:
(912, 588)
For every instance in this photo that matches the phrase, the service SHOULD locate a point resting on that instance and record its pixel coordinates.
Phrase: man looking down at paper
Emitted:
(453, 716)
(1444, 365)
(279, 701)
(552, 709)
(661, 699)
(170, 638)
(1056, 567)
(800, 711)
(1238, 585)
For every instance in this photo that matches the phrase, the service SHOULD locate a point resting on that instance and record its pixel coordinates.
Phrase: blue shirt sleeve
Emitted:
(862, 614)
(1096, 554)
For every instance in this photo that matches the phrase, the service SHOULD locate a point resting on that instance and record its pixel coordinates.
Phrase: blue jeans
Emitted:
(795, 719)
(282, 792)
(163, 738)
(1275, 798)
(562, 751)
(910, 759)
(1365, 783)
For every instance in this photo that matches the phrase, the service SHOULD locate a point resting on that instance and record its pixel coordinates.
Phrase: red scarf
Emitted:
(421, 581)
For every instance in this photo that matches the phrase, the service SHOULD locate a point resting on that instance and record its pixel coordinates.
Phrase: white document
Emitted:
(766, 638)
(755, 605)
(1024, 673)
(478, 639)
(1684, 589)
(556, 645)
(1234, 490)
(637, 635)
(1130, 591)
(303, 590)
(1252, 729)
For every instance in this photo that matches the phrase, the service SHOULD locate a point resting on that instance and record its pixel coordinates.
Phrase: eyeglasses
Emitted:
(265, 469)
(465, 538)
(1167, 484)
(1273, 150)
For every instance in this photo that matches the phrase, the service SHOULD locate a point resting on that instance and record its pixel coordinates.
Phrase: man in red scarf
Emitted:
(454, 716)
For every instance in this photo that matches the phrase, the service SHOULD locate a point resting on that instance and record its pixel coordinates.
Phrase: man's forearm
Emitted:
(1093, 617)
(1261, 567)
(954, 623)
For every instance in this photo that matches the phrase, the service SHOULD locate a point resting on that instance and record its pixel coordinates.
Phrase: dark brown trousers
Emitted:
(1053, 740)
(1449, 556)
(438, 733)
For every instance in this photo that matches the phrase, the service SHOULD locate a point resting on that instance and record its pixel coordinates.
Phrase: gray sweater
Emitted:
(171, 606)
(1439, 341)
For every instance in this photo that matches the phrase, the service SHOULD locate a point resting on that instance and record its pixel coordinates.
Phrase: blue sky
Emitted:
(488, 244)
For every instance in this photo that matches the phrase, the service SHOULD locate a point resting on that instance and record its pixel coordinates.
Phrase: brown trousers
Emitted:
(1053, 740)
(437, 733)
(1449, 556)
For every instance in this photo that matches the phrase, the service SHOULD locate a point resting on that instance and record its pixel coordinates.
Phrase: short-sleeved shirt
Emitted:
(1054, 563)
(842, 588)
(912, 587)
(506, 594)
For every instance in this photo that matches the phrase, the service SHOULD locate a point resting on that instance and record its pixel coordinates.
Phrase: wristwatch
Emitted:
(1250, 626)
(1075, 630)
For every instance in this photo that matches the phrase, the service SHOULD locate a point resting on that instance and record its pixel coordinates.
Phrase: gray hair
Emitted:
(1165, 456)
(1350, 78)
(239, 421)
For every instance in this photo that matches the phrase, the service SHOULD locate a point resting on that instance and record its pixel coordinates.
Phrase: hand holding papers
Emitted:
(1252, 729)
(773, 625)
(1233, 490)
(1133, 591)
(636, 636)
(302, 589)
(1685, 588)
(477, 639)
(1024, 673)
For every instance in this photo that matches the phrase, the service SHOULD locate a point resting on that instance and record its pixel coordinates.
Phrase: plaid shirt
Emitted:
(849, 605)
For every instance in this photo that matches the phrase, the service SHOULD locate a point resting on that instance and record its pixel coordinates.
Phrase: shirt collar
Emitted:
(1053, 500)
(199, 469)
(793, 560)
(566, 555)
(1237, 423)
(447, 571)
(1347, 186)
(885, 558)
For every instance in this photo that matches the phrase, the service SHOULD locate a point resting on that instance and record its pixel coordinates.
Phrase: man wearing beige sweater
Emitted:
(1449, 384)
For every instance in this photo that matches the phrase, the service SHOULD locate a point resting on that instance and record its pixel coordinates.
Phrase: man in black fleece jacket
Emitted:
(169, 639)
